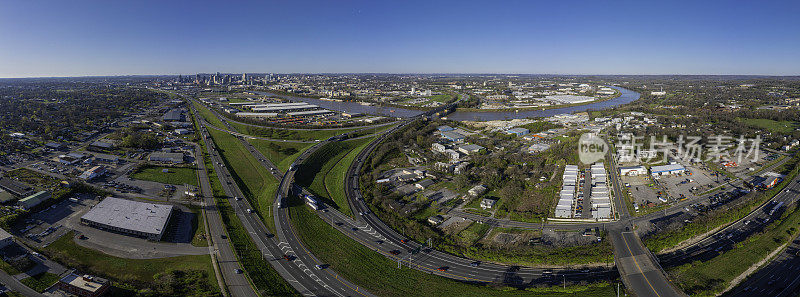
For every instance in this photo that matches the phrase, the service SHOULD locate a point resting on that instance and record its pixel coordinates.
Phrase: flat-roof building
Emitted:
(452, 136)
(174, 115)
(632, 170)
(34, 200)
(257, 114)
(667, 169)
(309, 113)
(14, 187)
(140, 219)
(5, 238)
(83, 286)
(166, 157)
(518, 131)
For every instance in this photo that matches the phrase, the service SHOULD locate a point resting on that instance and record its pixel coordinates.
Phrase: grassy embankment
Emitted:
(351, 259)
(125, 272)
(282, 154)
(711, 277)
(262, 275)
(255, 181)
(174, 175)
(717, 218)
(208, 115)
(324, 171)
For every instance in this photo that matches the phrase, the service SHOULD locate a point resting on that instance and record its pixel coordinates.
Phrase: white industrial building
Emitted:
(141, 219)
(667, 169)
(633, 170)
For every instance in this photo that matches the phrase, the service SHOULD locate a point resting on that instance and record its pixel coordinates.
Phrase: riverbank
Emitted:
(616, 95)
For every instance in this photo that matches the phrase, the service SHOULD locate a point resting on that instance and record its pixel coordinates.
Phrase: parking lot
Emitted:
(689, 186)
(45, 226)
(640, 189)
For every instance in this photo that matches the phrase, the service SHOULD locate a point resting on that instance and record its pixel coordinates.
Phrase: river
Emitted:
(626, 96)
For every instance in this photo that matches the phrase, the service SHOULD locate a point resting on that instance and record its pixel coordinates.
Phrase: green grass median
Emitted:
(324, 171)
(264, 277)
(282, 154)
(255, 181)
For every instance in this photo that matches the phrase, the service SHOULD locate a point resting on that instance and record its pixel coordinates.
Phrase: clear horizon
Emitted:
(99, 38)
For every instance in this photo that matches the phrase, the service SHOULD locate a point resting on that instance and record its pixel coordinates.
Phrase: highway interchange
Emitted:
(638, 267)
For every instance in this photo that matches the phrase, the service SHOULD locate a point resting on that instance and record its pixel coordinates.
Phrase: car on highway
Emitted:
(249, 210)
(475, 264)
(443, 268)
(394, 252)
(237, 271)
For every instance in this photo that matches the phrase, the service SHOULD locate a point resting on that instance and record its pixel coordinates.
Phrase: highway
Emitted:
(779, 278)
(237, 283)
(638, 267)
(292, 261)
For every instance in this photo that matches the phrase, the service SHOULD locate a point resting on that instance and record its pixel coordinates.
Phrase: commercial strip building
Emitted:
(140, 219)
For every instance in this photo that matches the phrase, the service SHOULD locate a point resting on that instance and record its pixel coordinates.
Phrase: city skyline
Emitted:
(95, 38)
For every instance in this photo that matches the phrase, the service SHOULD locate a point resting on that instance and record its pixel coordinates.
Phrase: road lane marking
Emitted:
(637, 264)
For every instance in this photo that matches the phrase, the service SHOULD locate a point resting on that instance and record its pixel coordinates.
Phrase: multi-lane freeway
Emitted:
(637, 266)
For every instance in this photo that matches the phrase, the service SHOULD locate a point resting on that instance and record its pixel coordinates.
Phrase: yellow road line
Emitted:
(637, 265)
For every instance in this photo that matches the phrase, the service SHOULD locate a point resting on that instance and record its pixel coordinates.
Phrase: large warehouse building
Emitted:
(134, 218)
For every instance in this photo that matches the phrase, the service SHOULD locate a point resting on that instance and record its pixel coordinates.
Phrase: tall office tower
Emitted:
(244, 77)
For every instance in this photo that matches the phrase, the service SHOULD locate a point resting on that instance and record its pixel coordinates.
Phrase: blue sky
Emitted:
(70, 38)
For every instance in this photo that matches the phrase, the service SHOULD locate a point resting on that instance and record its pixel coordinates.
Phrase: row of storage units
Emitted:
(600, 197)
(567, 194)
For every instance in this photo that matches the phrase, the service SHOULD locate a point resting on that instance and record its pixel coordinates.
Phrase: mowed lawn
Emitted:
(282, 154)
(174, 175)
(257, 183)
(773, 126)
(134, 271)
(351, 260)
